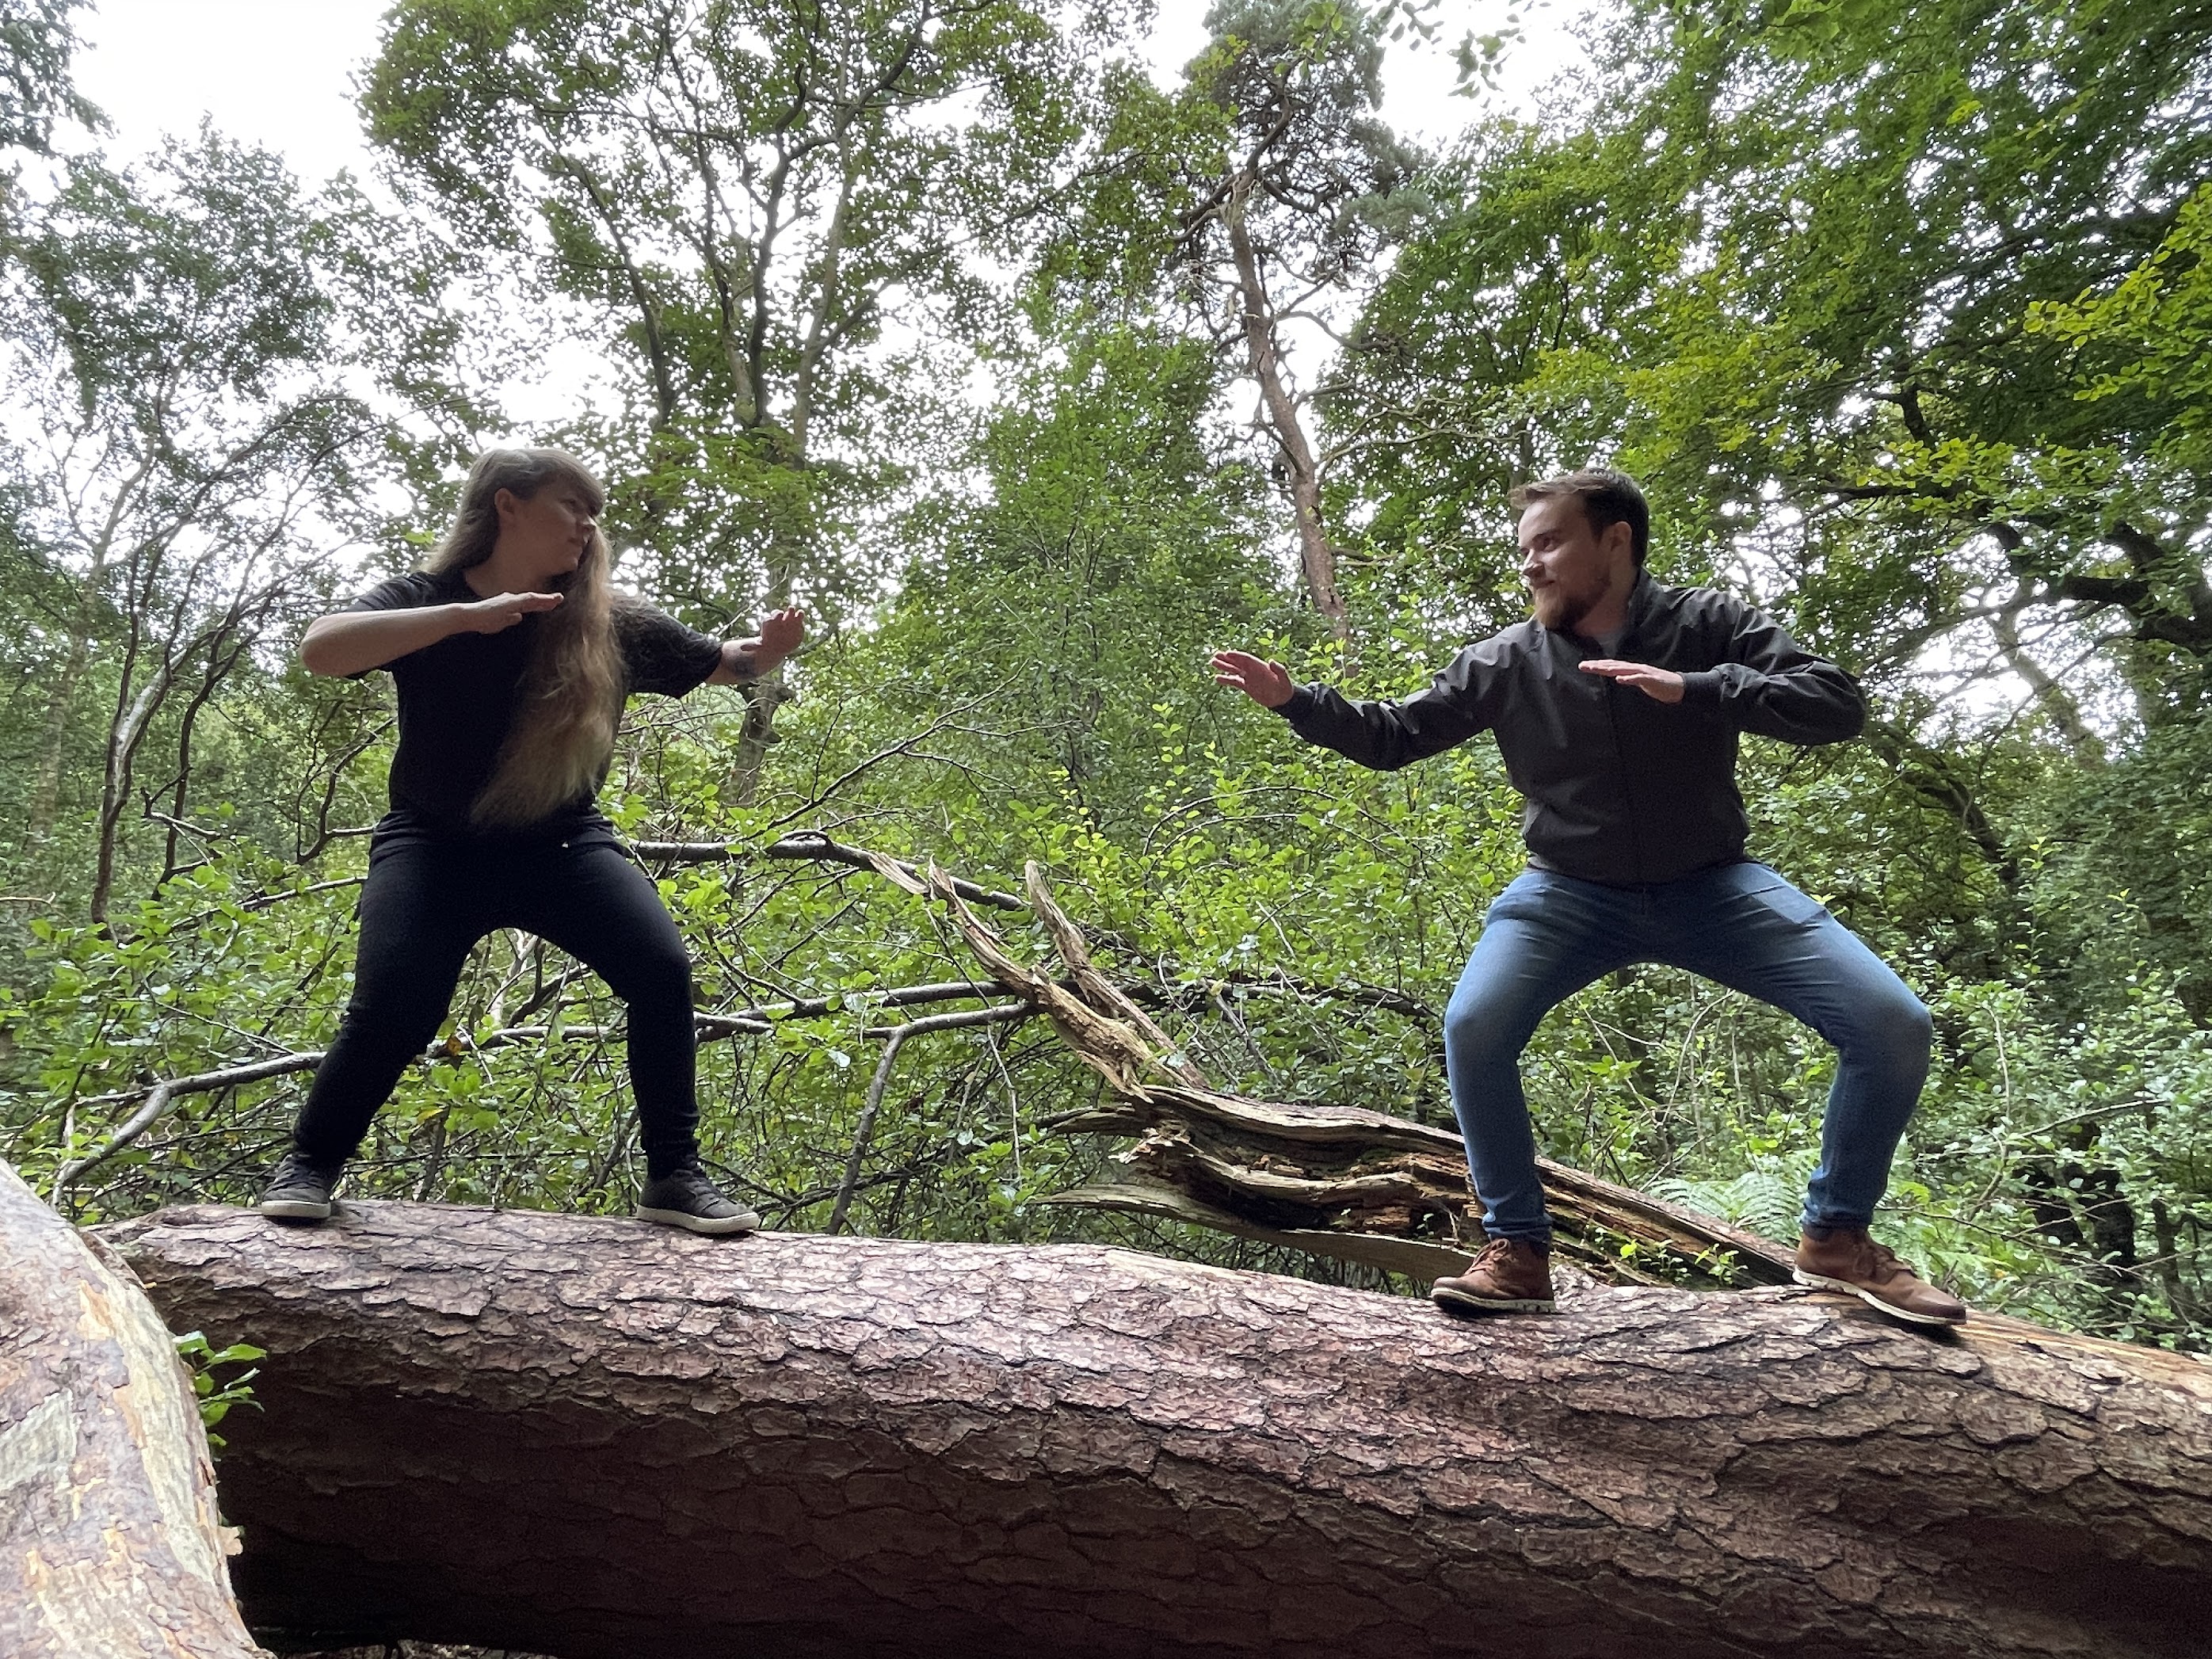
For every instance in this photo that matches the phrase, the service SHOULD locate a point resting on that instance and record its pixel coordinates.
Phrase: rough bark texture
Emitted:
(110, 1546)
(591, 1438)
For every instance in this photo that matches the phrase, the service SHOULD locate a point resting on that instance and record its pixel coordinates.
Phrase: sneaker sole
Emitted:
(743, 1223)
(1821, 1282)
(293, 1209)
(1460, 1302)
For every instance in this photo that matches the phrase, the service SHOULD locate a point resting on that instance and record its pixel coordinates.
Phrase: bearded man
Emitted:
(1617, 707)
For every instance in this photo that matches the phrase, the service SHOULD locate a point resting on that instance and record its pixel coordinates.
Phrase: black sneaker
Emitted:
(687, 1199)
(298, 1190)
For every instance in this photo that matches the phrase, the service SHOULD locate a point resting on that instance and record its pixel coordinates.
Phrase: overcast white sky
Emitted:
(280, 72)
(275, 72)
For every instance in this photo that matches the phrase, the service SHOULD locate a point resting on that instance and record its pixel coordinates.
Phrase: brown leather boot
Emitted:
(1847, 1259)
(1511, 1275)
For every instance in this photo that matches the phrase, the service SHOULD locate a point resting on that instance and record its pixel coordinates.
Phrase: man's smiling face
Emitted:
(1568, 565)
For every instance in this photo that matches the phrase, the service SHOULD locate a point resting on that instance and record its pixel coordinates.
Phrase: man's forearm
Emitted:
(1382, 736)
(1814, 703)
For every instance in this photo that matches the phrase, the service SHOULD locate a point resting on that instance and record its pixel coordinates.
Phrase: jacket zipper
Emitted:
(1620, 761)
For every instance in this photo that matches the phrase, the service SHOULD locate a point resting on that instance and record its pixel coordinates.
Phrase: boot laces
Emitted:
(1883, 1264)
(1496, 1252)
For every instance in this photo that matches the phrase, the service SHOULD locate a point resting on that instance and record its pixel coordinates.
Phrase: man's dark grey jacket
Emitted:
(1620, 788)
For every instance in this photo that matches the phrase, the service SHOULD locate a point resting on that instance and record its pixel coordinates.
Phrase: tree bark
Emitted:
(110, 1545)
(590, 1438)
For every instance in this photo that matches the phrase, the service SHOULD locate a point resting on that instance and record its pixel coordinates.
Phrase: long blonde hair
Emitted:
(564, 731)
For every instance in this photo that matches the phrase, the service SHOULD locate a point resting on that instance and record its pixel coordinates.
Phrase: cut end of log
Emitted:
(110, 1541)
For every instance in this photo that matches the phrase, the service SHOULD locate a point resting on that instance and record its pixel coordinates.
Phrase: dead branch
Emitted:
(1337, 1181)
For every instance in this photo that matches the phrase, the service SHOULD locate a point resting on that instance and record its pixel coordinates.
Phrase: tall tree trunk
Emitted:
(110, 1547)
(1316, 558)
(593, 1438)
(2082, 742)
(125, 732)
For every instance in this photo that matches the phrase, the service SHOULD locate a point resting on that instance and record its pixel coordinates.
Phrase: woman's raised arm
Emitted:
(355, 641)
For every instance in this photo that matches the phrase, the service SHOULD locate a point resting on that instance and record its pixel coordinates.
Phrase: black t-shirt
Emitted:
(456, 700)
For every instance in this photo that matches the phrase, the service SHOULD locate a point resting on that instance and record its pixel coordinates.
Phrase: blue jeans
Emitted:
(1549, 935)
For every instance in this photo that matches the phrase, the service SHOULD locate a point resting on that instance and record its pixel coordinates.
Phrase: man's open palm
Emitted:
(1663, 683)
(1267, 683)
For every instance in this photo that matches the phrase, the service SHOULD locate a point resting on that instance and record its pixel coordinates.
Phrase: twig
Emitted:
(864, 1131)
(165, 1094)
(819, 849)
(263, 901)
(1190, 996)
(756, 1019)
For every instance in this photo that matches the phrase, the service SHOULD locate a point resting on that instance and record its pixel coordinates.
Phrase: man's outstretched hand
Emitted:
(1664, 684)
(1267, 683)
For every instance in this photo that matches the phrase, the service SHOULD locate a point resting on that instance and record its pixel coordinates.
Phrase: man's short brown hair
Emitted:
(1607, 498)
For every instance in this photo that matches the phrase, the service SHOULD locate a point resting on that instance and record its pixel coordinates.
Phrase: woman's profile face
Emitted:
(547, 533)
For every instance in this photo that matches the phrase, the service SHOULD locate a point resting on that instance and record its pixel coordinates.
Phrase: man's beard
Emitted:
(1562, 609)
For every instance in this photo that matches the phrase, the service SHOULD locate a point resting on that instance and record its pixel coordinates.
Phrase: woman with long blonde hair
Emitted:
(513, 655)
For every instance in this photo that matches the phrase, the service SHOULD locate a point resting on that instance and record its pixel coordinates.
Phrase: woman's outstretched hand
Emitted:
(779, 635)
(502, 611)
(1267, 683)
(780, 631)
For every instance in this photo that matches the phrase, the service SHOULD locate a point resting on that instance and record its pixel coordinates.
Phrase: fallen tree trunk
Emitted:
(593, 1438)
(110, 1545)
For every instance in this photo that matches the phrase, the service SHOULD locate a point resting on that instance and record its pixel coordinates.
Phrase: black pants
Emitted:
(424, 907)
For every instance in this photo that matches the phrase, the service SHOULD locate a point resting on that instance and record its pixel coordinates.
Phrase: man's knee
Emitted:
(1896, 1023)
(1479, 1025)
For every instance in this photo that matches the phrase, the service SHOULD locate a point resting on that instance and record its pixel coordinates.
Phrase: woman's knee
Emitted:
(655, 973)
(396, 1015)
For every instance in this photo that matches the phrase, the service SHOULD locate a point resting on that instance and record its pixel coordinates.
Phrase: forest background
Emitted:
(1033, 381)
